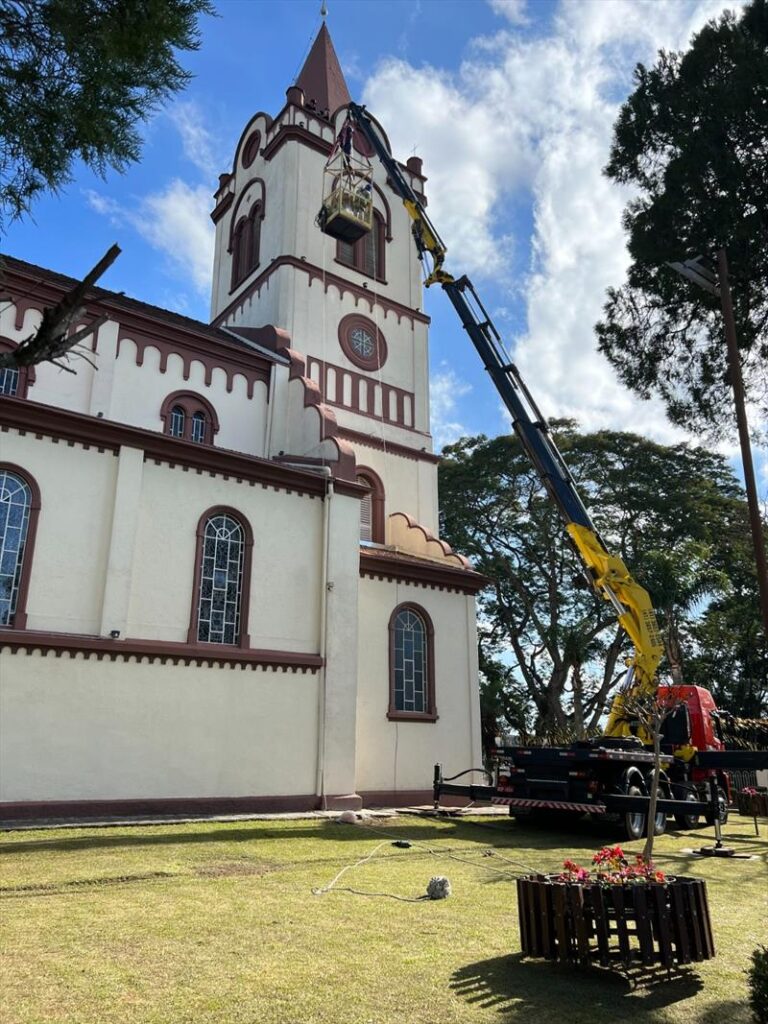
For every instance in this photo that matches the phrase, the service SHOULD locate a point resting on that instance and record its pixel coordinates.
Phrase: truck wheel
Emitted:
(722, 805)
(634, 821)
(687, 820)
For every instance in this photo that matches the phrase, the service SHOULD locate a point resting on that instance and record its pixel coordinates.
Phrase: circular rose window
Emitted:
(251, 148)
(362, 342)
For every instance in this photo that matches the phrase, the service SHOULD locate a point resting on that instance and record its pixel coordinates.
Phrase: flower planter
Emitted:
(648, 923)
(752, 804)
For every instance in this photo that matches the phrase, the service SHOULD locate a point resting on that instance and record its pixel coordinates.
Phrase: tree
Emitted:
(663, 509)
(77, 78)
(729, 650)
(693, 140)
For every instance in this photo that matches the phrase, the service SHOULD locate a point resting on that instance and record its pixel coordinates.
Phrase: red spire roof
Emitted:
(321, 78)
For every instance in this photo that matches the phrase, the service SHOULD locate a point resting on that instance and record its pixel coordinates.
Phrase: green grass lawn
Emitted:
(218, 922)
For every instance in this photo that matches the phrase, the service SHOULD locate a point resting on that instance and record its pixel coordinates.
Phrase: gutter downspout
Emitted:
(325, 588)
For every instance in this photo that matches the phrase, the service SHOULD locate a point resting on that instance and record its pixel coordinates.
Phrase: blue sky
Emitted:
(510, 105)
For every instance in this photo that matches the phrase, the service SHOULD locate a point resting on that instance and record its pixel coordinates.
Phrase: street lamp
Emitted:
(718, 284)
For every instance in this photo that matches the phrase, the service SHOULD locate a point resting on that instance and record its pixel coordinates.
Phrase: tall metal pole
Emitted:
(734, 367)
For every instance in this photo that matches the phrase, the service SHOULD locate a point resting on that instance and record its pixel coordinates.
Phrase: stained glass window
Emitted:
(15, 504)
(176, 424)
(410, 666)
(362, 342)
(221, 581)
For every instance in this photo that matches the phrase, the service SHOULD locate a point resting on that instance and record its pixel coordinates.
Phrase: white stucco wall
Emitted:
(79, 729)
(396, 755)
(286, 558)
(77, 489)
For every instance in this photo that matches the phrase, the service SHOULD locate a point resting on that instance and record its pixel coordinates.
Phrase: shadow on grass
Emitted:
(728, 1011)
(518, 988)
(145, 834)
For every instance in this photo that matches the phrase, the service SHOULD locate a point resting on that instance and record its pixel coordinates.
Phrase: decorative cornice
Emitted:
(162, 651)
(295, 133)
(108, 435)
(328, 279)
(221, 208)
(385, 564)
(390, 447)
(404, 530)
(147, 326)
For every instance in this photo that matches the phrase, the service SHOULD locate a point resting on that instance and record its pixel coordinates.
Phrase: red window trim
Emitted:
(246, 252)
(19, 618)
(358, 248)
(377, 502)
(244, 640)
(27, 374)
(191, 403)
(430, 714)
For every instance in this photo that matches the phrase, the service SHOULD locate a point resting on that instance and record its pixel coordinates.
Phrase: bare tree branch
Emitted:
(52, 340)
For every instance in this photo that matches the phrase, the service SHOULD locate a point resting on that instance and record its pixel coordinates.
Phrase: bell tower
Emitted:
(353, 311)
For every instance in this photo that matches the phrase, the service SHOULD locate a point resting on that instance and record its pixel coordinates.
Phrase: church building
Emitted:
(221, 583)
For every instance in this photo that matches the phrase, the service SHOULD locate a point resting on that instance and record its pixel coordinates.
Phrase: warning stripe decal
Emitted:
(555, 805)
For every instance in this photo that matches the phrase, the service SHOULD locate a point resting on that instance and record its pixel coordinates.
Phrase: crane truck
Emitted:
(610, 775)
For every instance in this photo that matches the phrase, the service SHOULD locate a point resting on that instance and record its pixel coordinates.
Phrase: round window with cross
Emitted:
(362, 342)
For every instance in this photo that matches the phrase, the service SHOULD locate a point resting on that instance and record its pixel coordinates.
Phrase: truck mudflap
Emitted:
(549, 805)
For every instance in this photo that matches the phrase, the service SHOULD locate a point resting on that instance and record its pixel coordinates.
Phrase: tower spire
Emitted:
(321, 79)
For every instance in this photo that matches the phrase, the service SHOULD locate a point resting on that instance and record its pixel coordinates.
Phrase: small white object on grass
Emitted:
(347, 818)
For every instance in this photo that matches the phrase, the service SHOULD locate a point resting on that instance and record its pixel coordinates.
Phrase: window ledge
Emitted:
(412, 716)
(164, 651)
(362, 273)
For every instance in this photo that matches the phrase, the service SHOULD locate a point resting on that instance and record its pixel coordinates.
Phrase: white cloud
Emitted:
(197, 142)
(512, 10)
(174, 221)
(445, 389)
(528, 119)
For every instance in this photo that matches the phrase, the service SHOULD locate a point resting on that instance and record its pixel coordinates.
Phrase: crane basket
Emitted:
(347, 210)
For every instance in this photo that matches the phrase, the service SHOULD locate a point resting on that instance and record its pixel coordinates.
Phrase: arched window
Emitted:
(14, 381)
(367, 253)
(246, 240)
(411, 665)
(371, 507)
(189, 417)
(19, 508)
(198, 427)
(177, 422)
(222, 579)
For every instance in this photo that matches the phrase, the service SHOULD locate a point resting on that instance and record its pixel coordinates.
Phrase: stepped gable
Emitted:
(321, 79)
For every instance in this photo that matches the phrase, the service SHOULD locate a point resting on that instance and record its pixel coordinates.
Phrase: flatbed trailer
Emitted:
(604, 781)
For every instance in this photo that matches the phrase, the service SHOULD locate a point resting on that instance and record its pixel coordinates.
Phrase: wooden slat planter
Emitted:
(653, 923)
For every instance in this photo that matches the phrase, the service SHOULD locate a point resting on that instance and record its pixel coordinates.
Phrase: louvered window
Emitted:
(367, 253)
(366, 513)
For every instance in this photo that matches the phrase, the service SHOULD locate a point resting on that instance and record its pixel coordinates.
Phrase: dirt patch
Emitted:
(230, 869)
